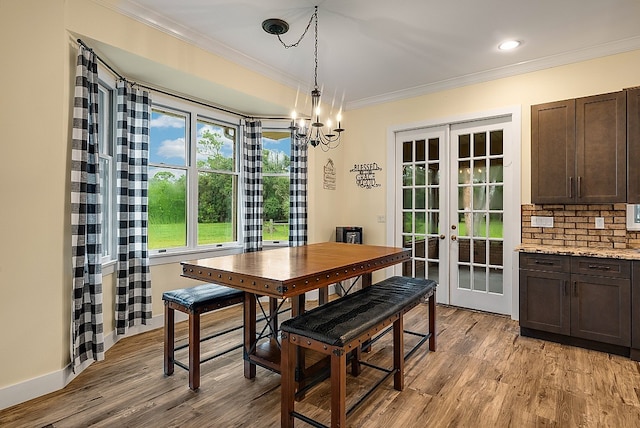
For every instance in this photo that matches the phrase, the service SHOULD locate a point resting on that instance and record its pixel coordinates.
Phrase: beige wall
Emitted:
(38, 53)
(368, 127)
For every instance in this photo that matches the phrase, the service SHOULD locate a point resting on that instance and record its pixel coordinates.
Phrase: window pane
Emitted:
(105, 195)
(276, 160)
(167, 138)
(216, 213)
(215, 148)
(420, 150)
(276, 208)
(167, 208)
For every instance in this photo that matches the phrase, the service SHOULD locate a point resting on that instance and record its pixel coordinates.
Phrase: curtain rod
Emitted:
(121, 77)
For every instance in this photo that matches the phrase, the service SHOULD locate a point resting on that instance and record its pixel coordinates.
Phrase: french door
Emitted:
(458, 209)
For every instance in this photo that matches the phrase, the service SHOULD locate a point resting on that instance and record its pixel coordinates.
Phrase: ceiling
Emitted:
(373, 51)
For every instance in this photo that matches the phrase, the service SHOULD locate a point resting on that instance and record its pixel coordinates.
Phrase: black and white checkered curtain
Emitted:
(133, 289)
(252, 161)
(87, 338)
(298, 194)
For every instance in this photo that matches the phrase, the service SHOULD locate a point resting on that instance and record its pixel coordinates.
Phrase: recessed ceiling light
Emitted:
(508, 45)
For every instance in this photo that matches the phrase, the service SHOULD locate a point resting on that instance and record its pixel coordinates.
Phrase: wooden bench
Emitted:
(342, 327)
(195, 301)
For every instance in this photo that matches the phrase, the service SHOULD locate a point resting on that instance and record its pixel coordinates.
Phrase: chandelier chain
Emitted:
(295, 45)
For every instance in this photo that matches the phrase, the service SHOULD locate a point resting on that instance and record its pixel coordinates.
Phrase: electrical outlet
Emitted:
(541, 221)
(381, 219)
(599, 222)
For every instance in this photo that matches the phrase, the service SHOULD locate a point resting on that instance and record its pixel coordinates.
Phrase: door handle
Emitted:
(570, 187)
(579, 187)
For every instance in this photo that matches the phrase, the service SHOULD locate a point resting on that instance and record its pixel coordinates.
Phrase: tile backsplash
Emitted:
(575, 226)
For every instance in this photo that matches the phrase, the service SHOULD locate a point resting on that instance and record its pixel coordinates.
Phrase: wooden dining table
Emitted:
(288, 273)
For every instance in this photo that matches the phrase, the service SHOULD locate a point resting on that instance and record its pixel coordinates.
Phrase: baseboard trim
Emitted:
(42, 385)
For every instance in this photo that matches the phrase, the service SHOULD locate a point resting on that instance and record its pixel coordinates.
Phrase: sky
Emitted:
(168, 136)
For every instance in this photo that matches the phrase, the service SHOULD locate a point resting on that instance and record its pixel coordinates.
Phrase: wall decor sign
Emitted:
(366, 175)
(329, 177)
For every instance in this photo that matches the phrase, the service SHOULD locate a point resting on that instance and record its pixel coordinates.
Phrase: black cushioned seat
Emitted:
(194, 301)
(339, 321)
(198, 297)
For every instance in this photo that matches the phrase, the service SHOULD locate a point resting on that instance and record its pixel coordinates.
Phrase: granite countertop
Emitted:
(608, 253)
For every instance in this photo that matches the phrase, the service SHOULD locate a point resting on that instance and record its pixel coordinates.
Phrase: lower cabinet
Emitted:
(578, 297)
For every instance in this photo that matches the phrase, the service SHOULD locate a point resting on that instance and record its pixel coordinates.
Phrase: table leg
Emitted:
(366, 279)
(298, 308)
(249, 312)
(366, 282)
(323, 295)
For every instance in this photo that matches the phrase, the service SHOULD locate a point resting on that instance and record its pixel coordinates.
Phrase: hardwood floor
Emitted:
(482, 375)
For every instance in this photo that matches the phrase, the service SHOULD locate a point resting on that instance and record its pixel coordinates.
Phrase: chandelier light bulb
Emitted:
(293, 115)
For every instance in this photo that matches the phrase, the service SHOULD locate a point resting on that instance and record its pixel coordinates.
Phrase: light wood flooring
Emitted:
(484, 374)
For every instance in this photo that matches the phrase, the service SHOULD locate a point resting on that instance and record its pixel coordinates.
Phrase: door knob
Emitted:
(442, 236)
(454, 238)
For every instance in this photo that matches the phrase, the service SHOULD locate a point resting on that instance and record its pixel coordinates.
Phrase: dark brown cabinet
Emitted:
(580, 297)
(579, 150)
(633, 146)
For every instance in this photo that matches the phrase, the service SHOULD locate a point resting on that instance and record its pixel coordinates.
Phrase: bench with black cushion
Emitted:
(341, 327)
(194, 301)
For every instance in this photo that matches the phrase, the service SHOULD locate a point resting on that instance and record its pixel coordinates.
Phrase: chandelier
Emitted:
(314, 132)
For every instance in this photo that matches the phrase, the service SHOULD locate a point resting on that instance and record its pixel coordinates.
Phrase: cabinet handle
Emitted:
(575, 288)
(539, 262)
(579, 187)
(566, 288)
(599, 267)
(570, 187)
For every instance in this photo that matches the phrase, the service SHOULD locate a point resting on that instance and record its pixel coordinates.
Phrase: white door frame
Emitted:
(512, 172)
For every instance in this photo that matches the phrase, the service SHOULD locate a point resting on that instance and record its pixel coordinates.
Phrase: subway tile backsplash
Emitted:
(575, 226)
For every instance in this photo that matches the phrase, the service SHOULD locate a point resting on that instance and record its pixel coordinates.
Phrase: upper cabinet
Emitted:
(579, 150)
(633, 146)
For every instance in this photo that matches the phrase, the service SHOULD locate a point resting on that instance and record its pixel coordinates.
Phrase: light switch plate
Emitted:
(541, 221)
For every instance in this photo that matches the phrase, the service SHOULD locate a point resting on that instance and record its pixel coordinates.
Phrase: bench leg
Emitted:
(356, 357)
(287, 382)
(169, 340)
(194, 351)
(432, 321)
(398, 353)
(338, 390)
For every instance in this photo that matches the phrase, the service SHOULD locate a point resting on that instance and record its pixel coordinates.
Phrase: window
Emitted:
(276, 149)
(106, 148)
(193, 178)
(194, 190)
(167, 172)
(217, 183)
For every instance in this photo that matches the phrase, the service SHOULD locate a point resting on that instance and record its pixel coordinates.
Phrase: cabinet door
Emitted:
(601, 146)
(601, 309)
(633, 146)
(635, 305)
(553, 154)
(545, 301)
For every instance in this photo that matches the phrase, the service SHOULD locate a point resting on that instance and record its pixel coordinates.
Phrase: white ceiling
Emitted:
(379, 50)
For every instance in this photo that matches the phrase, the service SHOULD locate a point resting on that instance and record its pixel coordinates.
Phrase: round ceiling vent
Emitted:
(275, 26)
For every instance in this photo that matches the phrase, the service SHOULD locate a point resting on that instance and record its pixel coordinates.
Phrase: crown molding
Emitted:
(566, 58)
